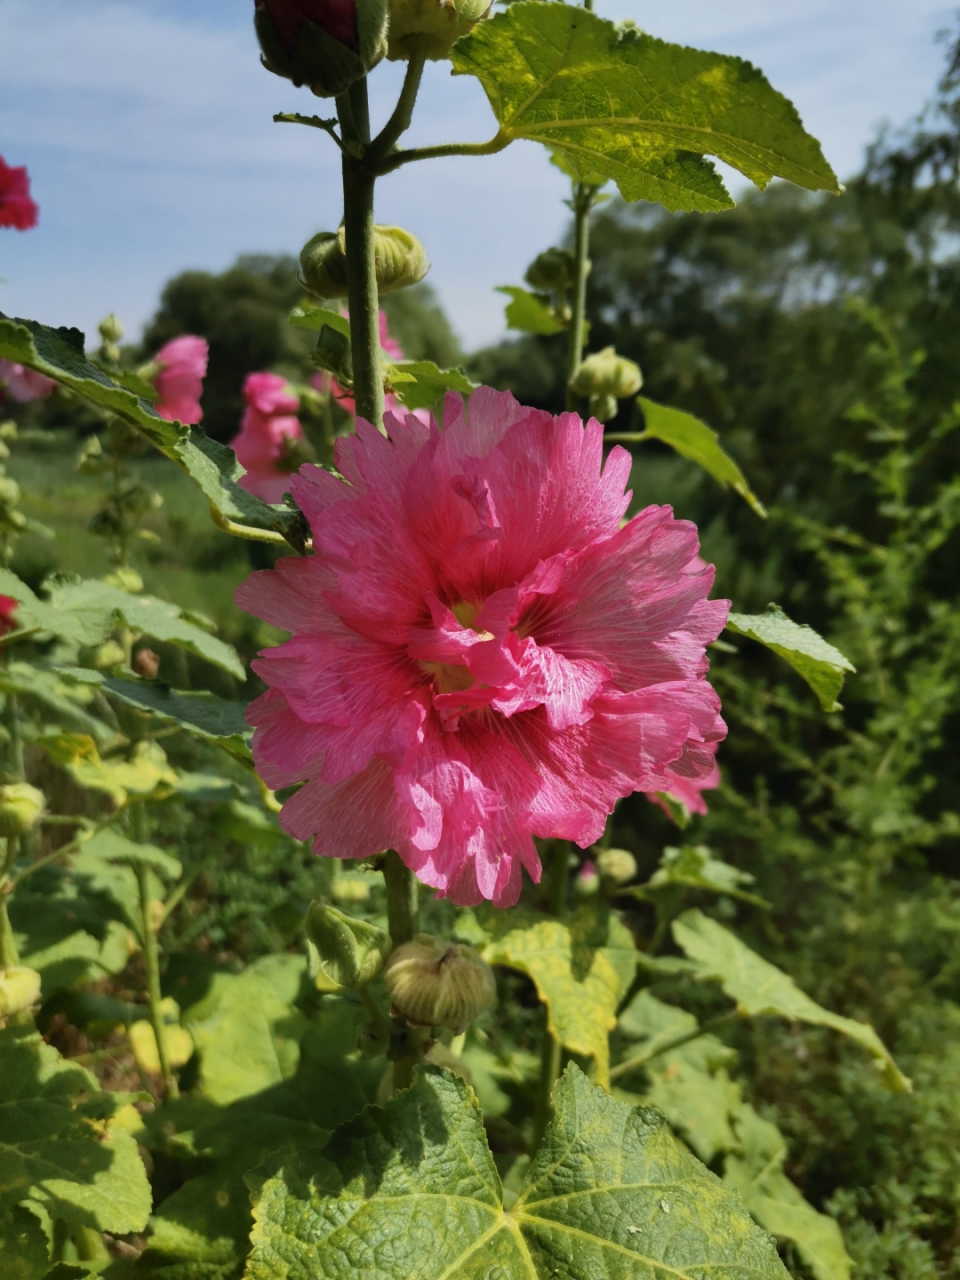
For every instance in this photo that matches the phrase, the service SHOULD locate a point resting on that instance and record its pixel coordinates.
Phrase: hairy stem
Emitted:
(403, 912)
(557, 862)
(641, 1059)
(497, 143)
(151, 960)
(583, 196)
(358, 187)
(399, 122)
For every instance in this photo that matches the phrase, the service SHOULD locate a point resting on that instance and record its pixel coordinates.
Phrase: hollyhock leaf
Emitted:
(59, 1147)
(315, 318)
(111, 846)
(527, 313)
(200, 714)
(246, 1028)
(620, 104)
(58, 353)
(755, 1169)
(55, 693)
(99, 605)
(145, 773)
(820, 664)
(581, 966)
(695, 867)
(759, 987)
(610, 1192)
(697, 442)
(422, 383)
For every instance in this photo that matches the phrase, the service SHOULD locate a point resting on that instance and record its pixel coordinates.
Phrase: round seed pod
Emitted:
(438, 984)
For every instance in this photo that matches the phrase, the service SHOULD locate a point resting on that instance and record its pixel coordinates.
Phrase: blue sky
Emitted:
(146, 128)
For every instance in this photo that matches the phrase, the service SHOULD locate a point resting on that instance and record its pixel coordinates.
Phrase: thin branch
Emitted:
(399, 122)
(501, 140)
(627, 437)
(314, 122)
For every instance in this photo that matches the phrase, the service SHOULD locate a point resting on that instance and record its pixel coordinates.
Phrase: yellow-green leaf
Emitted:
(820, 664)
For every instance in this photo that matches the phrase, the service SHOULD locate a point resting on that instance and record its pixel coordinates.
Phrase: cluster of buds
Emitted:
(401, 260)
(606, 378)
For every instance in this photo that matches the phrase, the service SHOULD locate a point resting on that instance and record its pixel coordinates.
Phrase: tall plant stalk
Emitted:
(583, 197)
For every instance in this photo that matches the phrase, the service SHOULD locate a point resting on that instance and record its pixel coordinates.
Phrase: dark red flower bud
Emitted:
(326, 44)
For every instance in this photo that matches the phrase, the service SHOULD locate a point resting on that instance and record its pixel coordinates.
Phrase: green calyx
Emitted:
(551, 271)
(319, 60)
(401, 260)
(342, 953)
(430, 28)
(436, 984)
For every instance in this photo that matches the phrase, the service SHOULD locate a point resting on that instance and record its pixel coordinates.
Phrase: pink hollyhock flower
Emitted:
(23, 384)
(268, 429)
(689, 791)
(179, 381)
(479, 653)
(8, 606)
(325, 382)
(17, 209)
(338, 18)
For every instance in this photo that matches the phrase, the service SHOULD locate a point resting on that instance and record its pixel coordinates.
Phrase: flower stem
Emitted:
(151, 960)
(583, 197)
(8, 947)
(403, 912)
(557, 861)
(359, 180)
(399, 122)
(497, 143)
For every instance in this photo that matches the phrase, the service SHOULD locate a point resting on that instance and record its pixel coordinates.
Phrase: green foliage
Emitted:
(528, 313)
(419, 384)
(694, 440)
(609, 1189)
(618, 104)
(820, 664)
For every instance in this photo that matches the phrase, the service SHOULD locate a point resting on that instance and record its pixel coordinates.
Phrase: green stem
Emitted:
(403, 912)
(399, 122)
(498, 142)
(557, 866)
(8, 947)
(627, 437)
(151, 960)
(641, 1059)
(359, 181)
(583, 196)
(16, 739)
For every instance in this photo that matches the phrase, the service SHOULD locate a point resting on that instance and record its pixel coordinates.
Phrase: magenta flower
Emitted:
(338, 18)
(479, 653)
(17, 209)
(179, 380)
(689, 791)
(22, 384)
(268, 429)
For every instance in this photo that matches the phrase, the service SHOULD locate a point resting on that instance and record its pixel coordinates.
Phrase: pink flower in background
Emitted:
(689, 791)
(479, 653)
(269, 426)
(22, 384)
(179, 380)
(17, 208)
(8, 607)
(325, 382)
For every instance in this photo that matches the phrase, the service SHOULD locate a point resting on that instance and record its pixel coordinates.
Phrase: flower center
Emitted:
(449, 679)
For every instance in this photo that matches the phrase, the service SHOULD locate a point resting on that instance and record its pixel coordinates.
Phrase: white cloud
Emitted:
(146, 127)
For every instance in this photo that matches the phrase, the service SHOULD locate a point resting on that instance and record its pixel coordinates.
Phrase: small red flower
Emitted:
(17, 209)
(8, 606)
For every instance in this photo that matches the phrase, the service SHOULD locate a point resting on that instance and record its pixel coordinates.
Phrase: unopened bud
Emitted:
(430, 28)
(607, 374)
(401, 260)
(587, 881)
(326, 44)
(146, 663)
(19, 989)
(340, 950)
(111, 329)
(20, 808)
(552, 270)
(435, 984)
(603, 407)
(617, 865)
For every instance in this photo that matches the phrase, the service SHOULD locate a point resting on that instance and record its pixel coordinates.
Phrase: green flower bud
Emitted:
(20, 808)
(603, 408)
(607, 374)
(617, 865)
(552, 270)
(19, 989)
(401, 260)
(340, 950)
(111, 329)
(433, 984)
(430, 28)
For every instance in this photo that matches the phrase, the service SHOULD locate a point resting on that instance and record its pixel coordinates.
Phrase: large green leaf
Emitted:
(111, 846)
(201, 714)
(528, 313)
(58, 353)
(145, 773)
(581, 965)
(246, 1029)
(755, 1169)
(57, 1145)
(411, 1192)
(760, 987)
(697, 442)
(619, 104)
(820, 664)
(420, 384)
